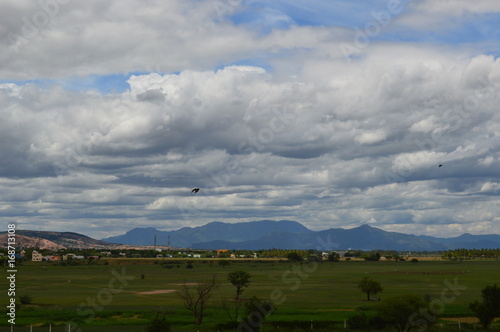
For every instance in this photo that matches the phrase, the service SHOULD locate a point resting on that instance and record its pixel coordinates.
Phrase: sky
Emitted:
(332, 113)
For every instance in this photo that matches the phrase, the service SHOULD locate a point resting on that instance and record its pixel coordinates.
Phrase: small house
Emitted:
(36, 256)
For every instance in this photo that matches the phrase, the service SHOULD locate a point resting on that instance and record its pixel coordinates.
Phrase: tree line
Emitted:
(471, 253)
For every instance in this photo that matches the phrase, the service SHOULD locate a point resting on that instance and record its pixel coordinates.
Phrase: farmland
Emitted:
(129, 292)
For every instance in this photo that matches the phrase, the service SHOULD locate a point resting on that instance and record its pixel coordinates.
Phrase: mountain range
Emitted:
(263, 234)
(286, 234)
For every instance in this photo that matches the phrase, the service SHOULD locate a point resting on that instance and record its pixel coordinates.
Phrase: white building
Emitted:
(36, 256)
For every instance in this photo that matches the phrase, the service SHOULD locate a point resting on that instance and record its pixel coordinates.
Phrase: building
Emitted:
(36, 256)
(72, 256)
(222, 251)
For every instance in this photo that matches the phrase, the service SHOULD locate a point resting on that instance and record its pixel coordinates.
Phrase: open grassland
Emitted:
(129, 292)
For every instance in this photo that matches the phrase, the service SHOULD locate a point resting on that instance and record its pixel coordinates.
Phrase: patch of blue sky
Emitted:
(104, 84)
(280, 14)
(480, 30)
(263, 19)
(20, 83)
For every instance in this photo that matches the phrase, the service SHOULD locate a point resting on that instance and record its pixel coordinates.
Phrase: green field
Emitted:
(99, 296)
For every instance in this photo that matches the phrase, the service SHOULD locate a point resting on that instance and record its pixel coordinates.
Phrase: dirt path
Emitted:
(158, 291)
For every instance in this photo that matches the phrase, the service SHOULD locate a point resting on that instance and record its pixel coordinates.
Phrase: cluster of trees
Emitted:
(373, 255)
(196, 298)
(488, 308)
(284, 253)
(406, 312)
(471, 253)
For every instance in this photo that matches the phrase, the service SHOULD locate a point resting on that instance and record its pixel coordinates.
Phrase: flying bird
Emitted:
(195, 190)
(440, 165)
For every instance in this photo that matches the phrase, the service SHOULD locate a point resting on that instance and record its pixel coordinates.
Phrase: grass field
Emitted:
(128, 293)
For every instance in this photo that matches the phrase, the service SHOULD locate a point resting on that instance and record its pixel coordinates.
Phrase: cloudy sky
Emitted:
(333, 113)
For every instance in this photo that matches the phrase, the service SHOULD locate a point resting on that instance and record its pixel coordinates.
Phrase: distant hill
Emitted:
(286, 234)
(31, 242)
(186, 236)
(56, 240)
(468, 241)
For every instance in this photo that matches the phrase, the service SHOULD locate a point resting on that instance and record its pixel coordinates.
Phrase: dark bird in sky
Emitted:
(195, 190)
(440, 165)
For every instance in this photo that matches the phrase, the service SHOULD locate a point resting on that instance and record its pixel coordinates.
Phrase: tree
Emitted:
(489, 307)
(399, 311)
(239, 279)
(294, 257)
(369, 286)
(333, 257)
(394, 256)
(256, 312)
(196, 298)
(372, 257)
